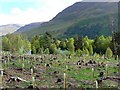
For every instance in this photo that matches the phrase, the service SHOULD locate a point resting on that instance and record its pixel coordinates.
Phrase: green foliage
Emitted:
(15, 42)
(47, 51)
(27, 46)
(86, 51)
(90, 49)
(79, 52)
(33, 50)
(102, 43)
(109, 53)
(53, 48)
(78, 43)
(45, 44)
(5, 43)
(70, 45)
(63, 45)
(57, 42)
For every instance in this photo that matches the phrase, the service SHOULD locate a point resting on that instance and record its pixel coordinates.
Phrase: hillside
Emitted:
(28, 26)
(81, 18)
(10, 28)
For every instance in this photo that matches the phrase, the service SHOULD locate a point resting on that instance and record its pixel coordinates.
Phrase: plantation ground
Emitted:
(49, 71)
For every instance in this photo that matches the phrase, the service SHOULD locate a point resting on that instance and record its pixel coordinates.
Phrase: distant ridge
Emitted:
(9, 28)
(28, 26)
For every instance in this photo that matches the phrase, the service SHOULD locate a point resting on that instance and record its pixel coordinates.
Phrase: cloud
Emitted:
(45, 10)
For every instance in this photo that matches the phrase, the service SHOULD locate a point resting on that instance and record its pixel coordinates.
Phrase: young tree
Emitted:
(63, 45)
(70, 45)
(53, 48)
(109, 53)
(27, 46)
(47, 51)
(5, 44)
(79, 52)
(90, 49)
(78, 43)
(102, 43)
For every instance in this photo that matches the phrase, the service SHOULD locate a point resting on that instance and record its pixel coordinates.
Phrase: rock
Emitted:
(78, 63)
(37, 76)
(82, 61)
(31, 87)
(99, 81)
(68, 69)
(101, 74)
(56, 72)
(47, 65)
(19, 69)
(13, 63)
(90, 62)
(94, 62)
(58, 80)
(86, 64)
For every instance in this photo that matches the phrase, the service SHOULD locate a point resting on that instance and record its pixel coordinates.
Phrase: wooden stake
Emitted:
(33, 79)
(45, 68)
(106, 70)
(34, 60)
(117, 57)
(19, 59)
(8, 60)
(96, 84)
(31, 71)
(23, 66)
(5, 65)
(64, 81)
(2, 79)
(92, 74)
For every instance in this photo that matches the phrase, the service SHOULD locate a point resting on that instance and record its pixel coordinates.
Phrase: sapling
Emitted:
(64, 80)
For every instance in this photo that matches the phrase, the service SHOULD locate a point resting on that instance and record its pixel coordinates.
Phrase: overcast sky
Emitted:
(28, 11)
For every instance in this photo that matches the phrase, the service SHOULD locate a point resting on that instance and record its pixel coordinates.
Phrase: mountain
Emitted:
(28, 26)
(82, 18)
(9, 28)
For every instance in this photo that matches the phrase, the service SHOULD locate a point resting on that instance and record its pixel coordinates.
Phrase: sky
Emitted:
(28, 11)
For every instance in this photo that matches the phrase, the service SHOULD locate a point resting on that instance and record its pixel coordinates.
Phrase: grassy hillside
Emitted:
(82, 18)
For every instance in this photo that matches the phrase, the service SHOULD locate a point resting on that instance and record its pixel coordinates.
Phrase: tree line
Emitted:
(46, 44)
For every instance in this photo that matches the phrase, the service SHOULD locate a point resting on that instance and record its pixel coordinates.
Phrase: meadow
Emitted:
(47, 71)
